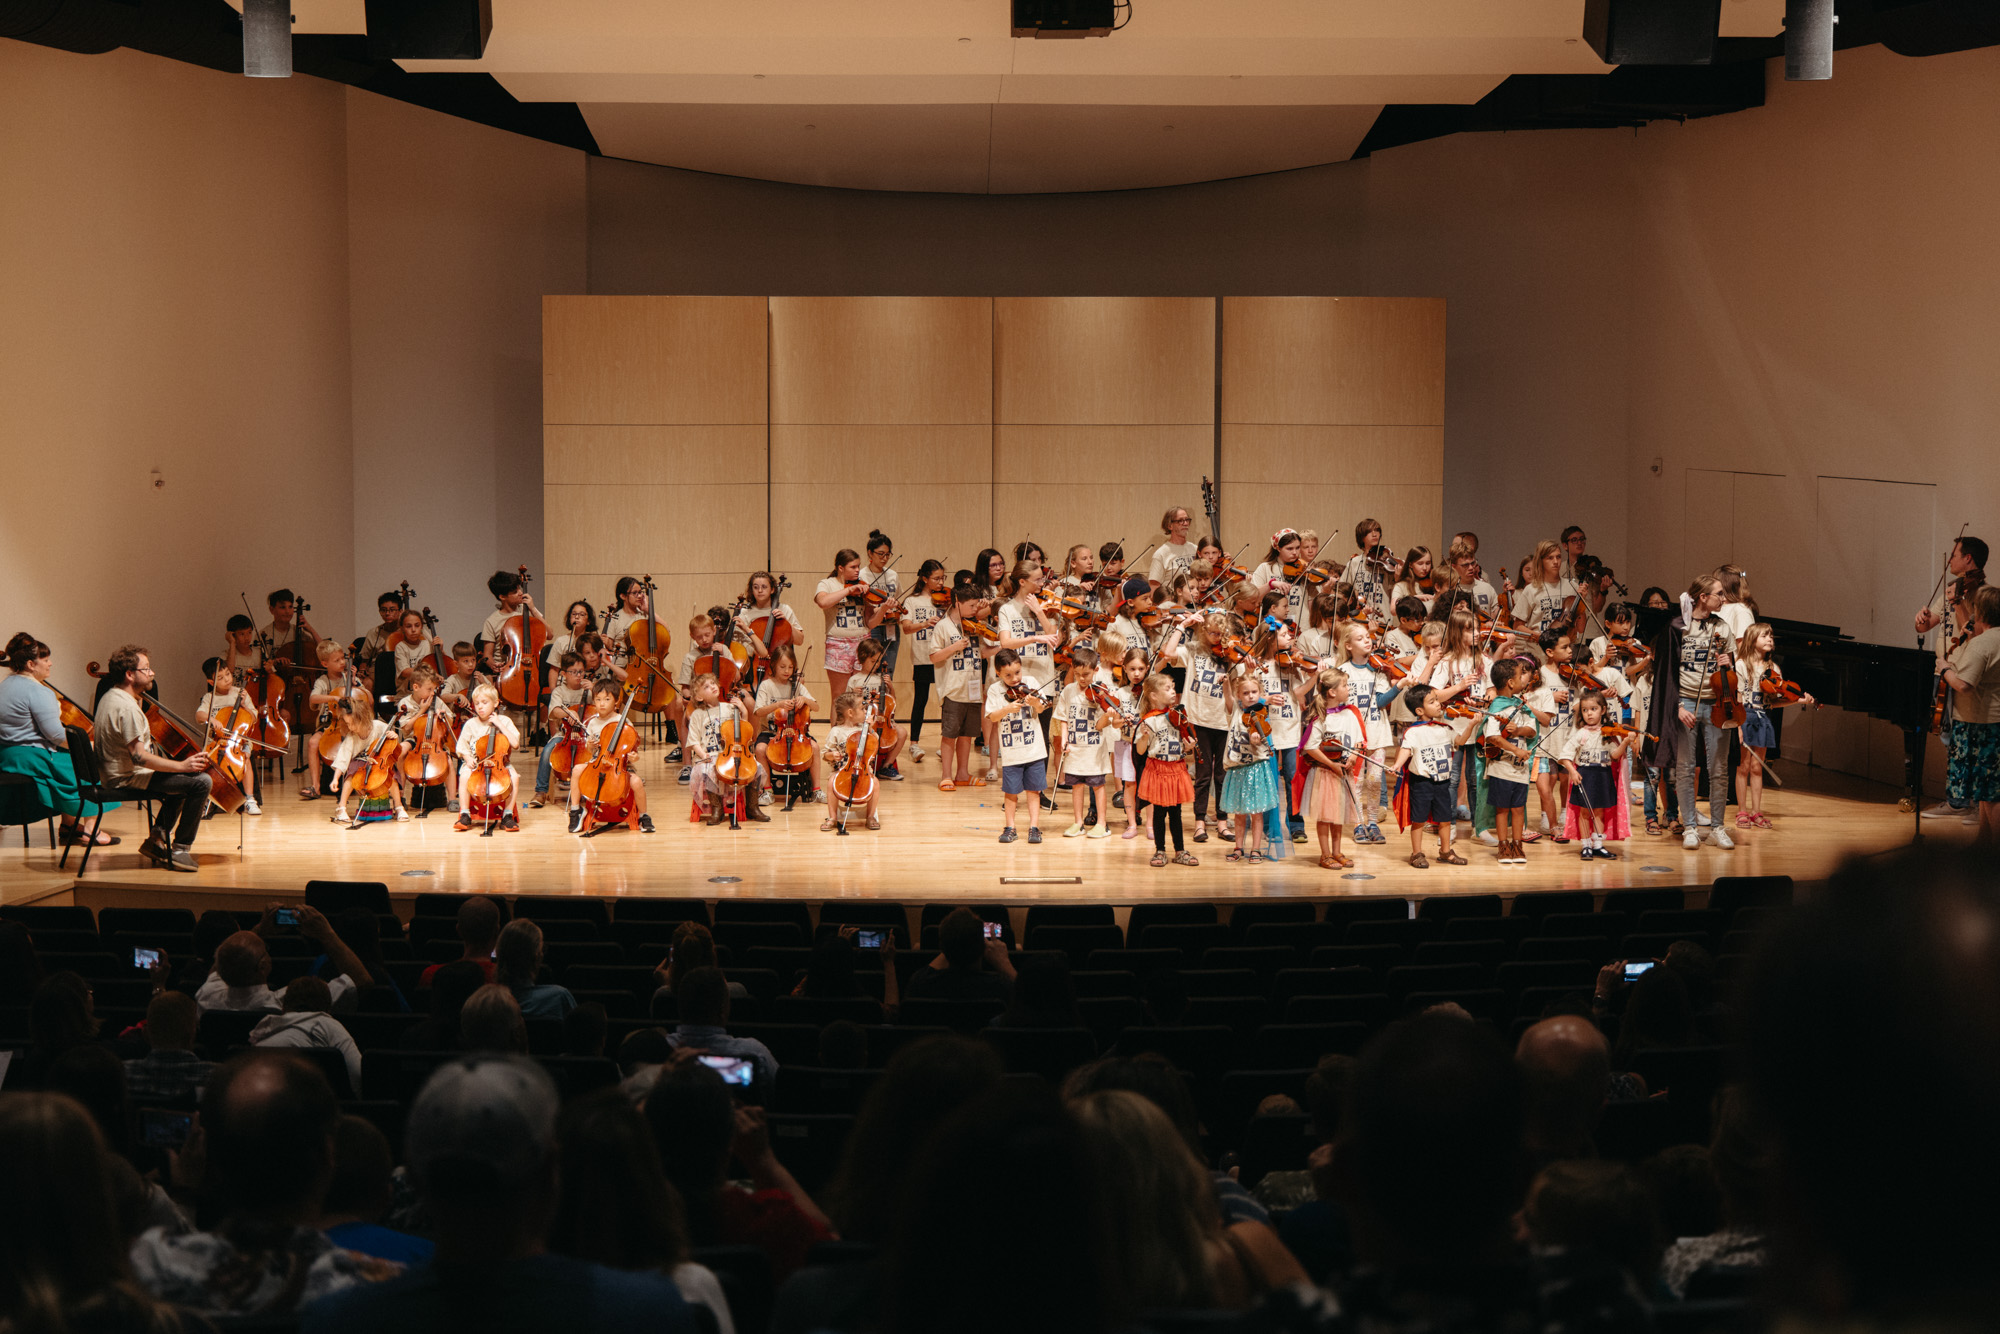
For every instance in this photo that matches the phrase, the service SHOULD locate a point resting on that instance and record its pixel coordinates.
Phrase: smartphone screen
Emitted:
(164, 1129)
(287, 917)
(993, 930)
(733, 1069)
(865, 939)
(143, 957)
(1636, 968)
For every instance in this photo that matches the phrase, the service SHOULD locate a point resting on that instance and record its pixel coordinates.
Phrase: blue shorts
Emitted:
(1084, 780)
(1430, 800)
(1504, 794)
(1030, 777)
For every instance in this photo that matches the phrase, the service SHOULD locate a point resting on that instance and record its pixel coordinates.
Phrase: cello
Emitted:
(736, 759)
(379, 768)
(604, 785)
(266, 688)
(855, 780)
(489, 787)
(791, 749)
(524, 637)
(770, 629)
(173, 737)
(646, 677)
(228, 754)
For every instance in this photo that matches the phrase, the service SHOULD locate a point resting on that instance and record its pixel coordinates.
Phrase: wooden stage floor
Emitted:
(933, 846)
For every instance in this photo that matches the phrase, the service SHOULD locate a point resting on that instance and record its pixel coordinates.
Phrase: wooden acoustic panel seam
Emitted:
(807, 454)
(901, 360)
(653, 359)
(681, 454)
(1138, 360)
(1344, 455)
(1334, 360)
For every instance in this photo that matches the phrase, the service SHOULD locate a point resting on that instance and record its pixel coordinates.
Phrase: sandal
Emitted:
(1186, 859)
(1200, 831)
(1763, 820)
(978, 781)
(874, 822)
(1253, 856)
(1653, 827)
(1346, 862)
(1451, 859)
(1159, 859)
(826, 825)
(946, 785)
(1421, 862)
(1234, 855)
(78, 838)
(1328, 863)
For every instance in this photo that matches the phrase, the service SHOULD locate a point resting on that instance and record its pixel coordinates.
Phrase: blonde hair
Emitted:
(1329, 680)
(694, 683)
(1111, 646)
(1432, 633)
(326, 648)
(1539, 561)
(487, 693)
(700, 621)
(845, 704)
(1164, 1256)
(1155, 683)
(1460, 549)
(1747, 645)
(1200, 569)
(1069, 558)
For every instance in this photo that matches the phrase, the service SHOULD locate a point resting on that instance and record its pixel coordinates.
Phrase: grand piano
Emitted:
(1881, 680)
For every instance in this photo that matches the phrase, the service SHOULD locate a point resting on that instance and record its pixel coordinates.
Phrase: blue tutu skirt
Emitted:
(1757, 729)
(1250, 790)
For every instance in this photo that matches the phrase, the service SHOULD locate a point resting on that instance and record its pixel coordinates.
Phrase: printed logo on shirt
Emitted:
(1019, 732)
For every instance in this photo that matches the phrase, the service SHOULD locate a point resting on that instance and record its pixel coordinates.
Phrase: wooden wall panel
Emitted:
(675, 596)
(810, 455)
(1349, 455)
(609, 526)
(904, 360)
(1409, 514)
(652, 359)
(653, 455)
(1362, 361)
(1104, 359)
(1061, 485)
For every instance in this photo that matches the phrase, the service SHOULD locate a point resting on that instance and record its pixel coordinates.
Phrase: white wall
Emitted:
(455, 231)
(172, 295)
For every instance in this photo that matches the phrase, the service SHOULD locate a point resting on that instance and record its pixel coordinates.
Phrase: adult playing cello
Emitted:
(33, 714)
(133, 770)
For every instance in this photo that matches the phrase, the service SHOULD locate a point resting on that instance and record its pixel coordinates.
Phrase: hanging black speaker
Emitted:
(1652, 32)
(429, 29)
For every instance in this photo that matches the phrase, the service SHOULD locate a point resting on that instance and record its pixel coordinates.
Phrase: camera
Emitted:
(869, 939)
(287, 917)
(993, 930)
(734, 1069)
(1637, 968)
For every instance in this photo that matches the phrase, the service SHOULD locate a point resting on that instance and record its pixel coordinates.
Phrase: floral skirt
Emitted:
(1973, 770)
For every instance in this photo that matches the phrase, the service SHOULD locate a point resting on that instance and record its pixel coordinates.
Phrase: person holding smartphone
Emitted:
(702, 1000)
(969, 965)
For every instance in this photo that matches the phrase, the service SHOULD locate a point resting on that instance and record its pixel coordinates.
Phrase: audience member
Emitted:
(1006, 1188)
(481, 1145)
(517, 963)
(1594, 1206)
(617, 1207)
(1686, 1195)
(1565, 1069)
(1169, 1250)
(968, 965)
(1317, 1231)
(243, 967)
(640, 1057)
(306, 1022)
(361, 1193)
(20, 966)
(210, 929)
(478, 930)
(1657, 1014)
(169, 1072)
(1723, 1262)
(61, 1016)
(1154, 1078)
(693, 947)
(1044, 996)
(63, 1262)
(697, 1127)
(361, 931)
(585, 1030)
(95, 1077)
(266, 1144)
(843, 1045)
(452, 986)
(703, 1004)
(1872, 1031)
(491, 1021)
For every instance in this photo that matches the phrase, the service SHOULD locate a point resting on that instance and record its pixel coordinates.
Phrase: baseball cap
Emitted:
(482, 1126)
(1135, 587)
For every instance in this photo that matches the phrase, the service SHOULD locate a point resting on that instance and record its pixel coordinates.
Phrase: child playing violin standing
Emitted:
(1332, 799)
(1763, 689)
(841, 595)
(1164, 739)
(1192, 643)
(1428, 758)
(1285, 686)
(1371, 692)
(1250, 770)
(1589, 760)
(1013, 706)
(922, 612)
(1082, 744)
(1511, 729)
(1552, 702)
(956, 657)
(1124, 690)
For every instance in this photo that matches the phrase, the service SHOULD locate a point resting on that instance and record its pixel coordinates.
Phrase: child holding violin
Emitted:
(921, 612)
(1763, 688)
(1164, 737)
(955, 656)
(365, 740)
(1428, 759)
(1137, 621)
(1194, 644)
(871, 678)
(1553, 700)
(1286, 681)
(1081, 741)
(1330, 797)
(1371, 691)
(568, 702)
(848, 716)
(1684, 709)
(842, 596)
(1283, 571)
(223, 695)
(1419, 579)
(779, 695)
(1106, 590)
(602, 712)
(1459, 672)
(1509, 739)
(1371, 570)
(1591, 760)
(1123, 690)
(1014, 708)
(1250, 793)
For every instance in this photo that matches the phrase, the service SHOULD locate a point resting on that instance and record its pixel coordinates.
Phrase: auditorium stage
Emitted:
(933, 846)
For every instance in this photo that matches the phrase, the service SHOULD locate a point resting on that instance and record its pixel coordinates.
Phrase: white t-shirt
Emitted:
(1364, 685)
(562, 697)
(1538, 606)
(1703, 645)
(1169, 560)
(1406, 589)
(835, 749)
(490, 631)
(1086, 750)
(957, 675)
(121, 731)
(1738, 617)
(1430, 747)
(1164, 744)
(890, 583)
(1339, 725)
(1244, 746)
(924, 614)
(1585, 749)
(1205, 695)
(210, 706)
(770, 692)
(1134, 635)
(1506, 766)
(410, 656)
(1543, 700)
(474, 731)
(1483, 595)
(1478, 670)
(1286, 722)
(1366, 580)
(1294, 607)
(1316, 641)
(408, 710)
(845, 619)
(1020, 734)
(1977, 663)
(1038, 662)
(352, 748)
(704, 725)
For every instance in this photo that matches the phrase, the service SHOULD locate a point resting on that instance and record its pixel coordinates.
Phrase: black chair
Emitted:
(1275, 1144)
(1632, 902)
(563, 955)
(390, 1075)
(634, 979)
(1092, 983)
(809, 1144)
(1049, 1052)
(820, 1011)
(885, 1040)
(1370, 1008)
(1140, 963)
(745, 1275)
(1655, 945)
(1489, 1003)
(1486, 953)
(571, 931)
(1443, 907)
(1609, 924)
(762, 983)
(1406, 934)
(1245, 1014)
(1245, 916)
(220, 1030)
(1698, 923)
(875, 913)
(1541, 903)
(787, 961)
(1343, 912)
(1512, 930)
(28, 825)
(1108, 1016)
(1168, 914)
(447, 905)
(1380, 958)
(544, 908)
(578, 1075)
(960, 1016)
(787, 911)
(1732, 893)
(1283, 1046)
(1291, 982)
(1222, 982)
(814, 1089)
(617, 1004)
(371, 1031)
(1263, 960)
(1066, 914)
(1517, 975)
(1075, 942)
(52, 917)
(1202, 1051)
(1400, 982)
(90, 790)
(1302, 938)
(334, 897)
(169, 921)
(1597, 949)
(329, 1063)
(1192, 939)
(1631, 1132)
(743, 937)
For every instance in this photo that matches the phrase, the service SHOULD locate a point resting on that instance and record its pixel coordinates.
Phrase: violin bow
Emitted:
(1944, 572)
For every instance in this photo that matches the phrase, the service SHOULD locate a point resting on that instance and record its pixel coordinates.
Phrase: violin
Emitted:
(604, 783)
(1624, 732)
(1101, 698)
(1177, 719)
(1727, 710)
(524, 637)
(1258, 717)
(1383, 661)
(1941, 699)
(646, 676)
(1232, 649)
(1292, 660)
(1776, 690)
(1022, 692)
(980, 631)
(1508, 733)
(490, 784)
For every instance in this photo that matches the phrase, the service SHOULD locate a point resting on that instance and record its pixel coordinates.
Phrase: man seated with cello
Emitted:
(133, 770)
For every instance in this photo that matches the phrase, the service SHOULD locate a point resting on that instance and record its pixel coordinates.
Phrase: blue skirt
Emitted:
(1251, 789)
(1757, 729)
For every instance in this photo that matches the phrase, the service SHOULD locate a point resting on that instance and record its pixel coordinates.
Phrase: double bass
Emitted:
(523, 637)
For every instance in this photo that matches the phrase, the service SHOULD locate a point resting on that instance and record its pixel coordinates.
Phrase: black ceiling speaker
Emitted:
(1808, 40)
(1064, 18)
(429, 29)
(267, 39)
(1652, 32)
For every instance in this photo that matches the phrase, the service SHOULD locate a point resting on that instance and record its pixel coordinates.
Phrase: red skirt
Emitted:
(1166, 784)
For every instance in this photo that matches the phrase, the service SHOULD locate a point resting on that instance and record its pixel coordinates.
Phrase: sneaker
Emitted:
(1721, 838)
(576, 820)
(673, 754)
(1076, 831)
(1008, 835)
(1298, 836)
(916, 754)
(252, 808)
(763, 796)
(685, 771)
(892, 773)
(1099, 831)
(645, 824)
(1034, 835)
(820, 796)
(1462, 812)
(1489, 838)
(402, 814)
(180, 859)
(1945, 810)
(452, 807)
(1691, 841)
(1048, 803)
(463, 823)
(510, 824)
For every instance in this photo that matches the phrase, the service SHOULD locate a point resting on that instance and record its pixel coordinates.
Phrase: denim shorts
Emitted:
(1030, 777)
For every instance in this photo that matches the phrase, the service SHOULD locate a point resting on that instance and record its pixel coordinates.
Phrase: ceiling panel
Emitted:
(1043, 149)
